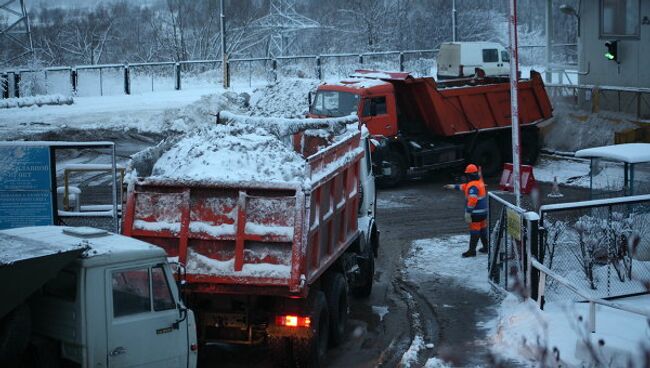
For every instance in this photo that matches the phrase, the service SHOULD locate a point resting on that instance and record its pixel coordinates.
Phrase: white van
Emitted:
(459, 59)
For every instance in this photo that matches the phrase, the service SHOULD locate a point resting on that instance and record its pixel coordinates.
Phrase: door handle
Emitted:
(118, 351)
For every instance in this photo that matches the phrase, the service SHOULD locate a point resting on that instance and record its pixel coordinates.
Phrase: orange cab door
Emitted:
(380, 115)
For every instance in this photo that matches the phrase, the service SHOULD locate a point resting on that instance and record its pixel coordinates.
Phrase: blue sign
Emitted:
(25, 168)
(25, 208)
(25, 186)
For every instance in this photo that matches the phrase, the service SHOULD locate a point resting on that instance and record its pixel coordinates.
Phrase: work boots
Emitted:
(473, 242)
(469, 253)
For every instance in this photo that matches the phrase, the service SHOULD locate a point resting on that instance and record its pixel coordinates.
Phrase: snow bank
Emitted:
(572, 132)
(9, 103)
(522, 332)
(411, 355)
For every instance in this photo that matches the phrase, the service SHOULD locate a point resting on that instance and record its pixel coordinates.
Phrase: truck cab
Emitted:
(117, 305)
(418, 124)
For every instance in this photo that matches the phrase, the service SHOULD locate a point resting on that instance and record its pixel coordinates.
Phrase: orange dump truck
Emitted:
(418, 124)
(265, 258)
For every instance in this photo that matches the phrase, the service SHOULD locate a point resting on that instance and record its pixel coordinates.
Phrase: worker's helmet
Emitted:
(471, 169)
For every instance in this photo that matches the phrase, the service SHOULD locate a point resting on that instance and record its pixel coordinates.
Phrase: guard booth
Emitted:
(635, 158)
(28, 183)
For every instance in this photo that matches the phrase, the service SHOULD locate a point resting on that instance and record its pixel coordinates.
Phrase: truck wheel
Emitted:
(44, 353)
(367, 266)
(530, 147)
(397, 163)
(310, 352)
(336, 292)
(15, 329)
(486, 154)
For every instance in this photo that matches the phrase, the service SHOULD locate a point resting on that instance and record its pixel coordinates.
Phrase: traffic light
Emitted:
(612, 50)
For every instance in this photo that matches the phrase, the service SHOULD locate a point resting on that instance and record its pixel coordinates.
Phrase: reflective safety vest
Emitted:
(476, 199)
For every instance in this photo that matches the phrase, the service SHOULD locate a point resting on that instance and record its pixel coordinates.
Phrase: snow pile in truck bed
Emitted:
(245, 149)
(202, 112)
(231, 153)
(287, 98)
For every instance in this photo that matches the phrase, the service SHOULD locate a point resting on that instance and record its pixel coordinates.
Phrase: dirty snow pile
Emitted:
(35, 101)
(571, 132)
(202, 112)
(287, 98)
(244, 149)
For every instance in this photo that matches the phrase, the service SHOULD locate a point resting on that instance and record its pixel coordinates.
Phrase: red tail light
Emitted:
(293, 321)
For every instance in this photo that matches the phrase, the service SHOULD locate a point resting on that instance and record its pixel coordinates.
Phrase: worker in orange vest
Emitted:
(476, 209)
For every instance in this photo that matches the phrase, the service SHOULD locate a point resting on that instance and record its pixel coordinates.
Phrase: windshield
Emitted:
(334, 103)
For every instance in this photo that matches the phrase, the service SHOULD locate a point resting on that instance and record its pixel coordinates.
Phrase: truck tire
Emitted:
(397, 163)
(336, 292)
(43, 353)
(15, 329)
(310, 352)
(487, 155)
(530, 146)
(367, 266)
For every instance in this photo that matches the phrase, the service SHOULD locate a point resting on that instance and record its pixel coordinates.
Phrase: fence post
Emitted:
(177, 74)
(532, 250)
(274, 66)
(127, 79)
(4, 85)
(595, 99)
(592, 316)
(17, 84)
(74, 79)
(401, 61)
(319, 71)
(361, 59)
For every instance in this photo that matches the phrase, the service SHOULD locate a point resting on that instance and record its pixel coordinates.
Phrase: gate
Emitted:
(513, 238)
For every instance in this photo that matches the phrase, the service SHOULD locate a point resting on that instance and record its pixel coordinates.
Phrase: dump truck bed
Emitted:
(252, 237)
(455, 107)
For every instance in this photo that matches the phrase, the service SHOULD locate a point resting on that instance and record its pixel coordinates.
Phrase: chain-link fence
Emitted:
(602, 246)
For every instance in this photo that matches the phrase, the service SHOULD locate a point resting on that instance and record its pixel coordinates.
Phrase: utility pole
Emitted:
(514, 103)
(453, 20)
(224, 54)
(549, 40)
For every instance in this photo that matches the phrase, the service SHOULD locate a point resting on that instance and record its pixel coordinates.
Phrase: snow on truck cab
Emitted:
(460, 59)
(88, 298)
(273, 220)
(418, 124)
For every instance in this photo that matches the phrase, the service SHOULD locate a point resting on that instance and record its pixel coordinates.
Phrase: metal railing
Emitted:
(545, 271)
(635, 100)
(113, 79)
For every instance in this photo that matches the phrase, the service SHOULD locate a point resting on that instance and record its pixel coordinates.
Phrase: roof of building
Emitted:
(102, 247)
(631, 153)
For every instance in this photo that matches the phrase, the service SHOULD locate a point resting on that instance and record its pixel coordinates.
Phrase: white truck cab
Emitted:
(117, 305)
(459, 59)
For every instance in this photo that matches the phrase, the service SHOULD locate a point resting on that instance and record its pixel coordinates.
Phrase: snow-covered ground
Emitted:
(520, 330)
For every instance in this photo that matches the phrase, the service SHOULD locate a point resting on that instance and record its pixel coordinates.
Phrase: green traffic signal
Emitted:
(612, 50)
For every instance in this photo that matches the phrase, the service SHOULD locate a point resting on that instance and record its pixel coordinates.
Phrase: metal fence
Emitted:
(630, 100)
(128, 78)
(600, 246)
